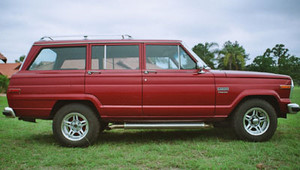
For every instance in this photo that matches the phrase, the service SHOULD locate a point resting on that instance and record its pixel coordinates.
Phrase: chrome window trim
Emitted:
(104, 62)
(179, 57)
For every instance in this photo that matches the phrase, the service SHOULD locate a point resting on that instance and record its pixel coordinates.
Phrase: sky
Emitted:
(255, 24)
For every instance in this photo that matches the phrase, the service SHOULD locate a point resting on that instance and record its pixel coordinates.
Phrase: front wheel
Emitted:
(255, 120)
(75, 125)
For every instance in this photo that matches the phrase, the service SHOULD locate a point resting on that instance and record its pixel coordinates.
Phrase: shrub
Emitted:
(4, 81)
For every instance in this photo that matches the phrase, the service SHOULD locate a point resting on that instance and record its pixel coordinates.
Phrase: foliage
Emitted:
(232, 56)
(205, 52)
(21, 59)
(277, 60)
(4, 81)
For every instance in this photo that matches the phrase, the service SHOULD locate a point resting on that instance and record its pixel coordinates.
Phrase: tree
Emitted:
(232, 56)
(263, 64)
(205, 52)
(277, 60)
(21, 59)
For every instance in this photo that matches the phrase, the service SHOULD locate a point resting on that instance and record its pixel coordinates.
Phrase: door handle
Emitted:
(150, 71)
(94, 72)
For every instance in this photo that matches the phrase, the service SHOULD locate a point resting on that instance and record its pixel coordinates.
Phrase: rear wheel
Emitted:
(255, 120)
(76, 125)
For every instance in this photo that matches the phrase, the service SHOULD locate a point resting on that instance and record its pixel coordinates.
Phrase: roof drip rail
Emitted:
(85, 37)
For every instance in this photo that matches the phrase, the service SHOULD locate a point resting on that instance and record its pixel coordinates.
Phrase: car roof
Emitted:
(87, 41)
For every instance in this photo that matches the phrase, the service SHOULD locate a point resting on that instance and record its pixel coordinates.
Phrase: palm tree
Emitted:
(205, 52)
(232, 56)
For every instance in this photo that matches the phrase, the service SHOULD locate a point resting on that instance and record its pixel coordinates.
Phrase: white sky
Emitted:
(255, 24)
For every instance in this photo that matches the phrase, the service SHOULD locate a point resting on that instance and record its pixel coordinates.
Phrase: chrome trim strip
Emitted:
(104, 64)
(292, 88)
(165, 125)
(160, 126)
(179, 58)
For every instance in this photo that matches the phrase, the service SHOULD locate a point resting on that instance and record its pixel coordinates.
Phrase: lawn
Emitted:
(31, 145)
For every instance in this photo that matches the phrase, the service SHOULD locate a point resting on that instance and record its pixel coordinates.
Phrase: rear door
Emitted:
(114, 77)
(172, 86)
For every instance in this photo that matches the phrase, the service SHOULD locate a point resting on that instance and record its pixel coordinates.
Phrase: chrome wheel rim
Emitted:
(74, 126)
(256, 121)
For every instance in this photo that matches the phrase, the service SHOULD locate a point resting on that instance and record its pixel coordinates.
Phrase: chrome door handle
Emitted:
(150, 71)
(94, 72)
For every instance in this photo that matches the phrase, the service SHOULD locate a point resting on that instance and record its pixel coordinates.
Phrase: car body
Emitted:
(140, 84)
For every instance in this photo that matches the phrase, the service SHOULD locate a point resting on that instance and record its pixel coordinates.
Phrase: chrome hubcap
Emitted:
(74, 126)
(256, 121)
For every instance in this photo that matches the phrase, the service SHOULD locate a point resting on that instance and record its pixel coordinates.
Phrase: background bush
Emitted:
(4, 81)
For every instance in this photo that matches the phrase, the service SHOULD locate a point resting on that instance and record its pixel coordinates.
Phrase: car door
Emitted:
(172, 86)
(114, 77)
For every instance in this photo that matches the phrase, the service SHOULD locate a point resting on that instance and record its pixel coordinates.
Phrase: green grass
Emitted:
(26, 145)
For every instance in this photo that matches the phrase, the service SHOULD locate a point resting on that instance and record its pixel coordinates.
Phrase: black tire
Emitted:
(81, 127)
(255, 120)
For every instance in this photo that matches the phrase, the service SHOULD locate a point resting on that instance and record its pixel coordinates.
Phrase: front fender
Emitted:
(225, 110)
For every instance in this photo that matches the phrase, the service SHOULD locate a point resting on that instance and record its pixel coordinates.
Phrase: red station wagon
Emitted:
(87, 86)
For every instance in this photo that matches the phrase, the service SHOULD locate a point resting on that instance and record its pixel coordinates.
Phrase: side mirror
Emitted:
(200, 68)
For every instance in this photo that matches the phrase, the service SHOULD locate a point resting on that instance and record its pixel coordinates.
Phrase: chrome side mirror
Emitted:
(200, 68)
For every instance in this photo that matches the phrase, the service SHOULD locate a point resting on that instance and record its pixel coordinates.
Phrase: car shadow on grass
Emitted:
(42, 139)
(146, 136)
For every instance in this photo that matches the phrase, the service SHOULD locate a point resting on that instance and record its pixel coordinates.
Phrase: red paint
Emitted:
(129, 95)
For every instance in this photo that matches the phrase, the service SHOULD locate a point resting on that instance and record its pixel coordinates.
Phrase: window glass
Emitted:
(186, 61)
(162, 57)
(166, 57)
(121, 57)
(63, 58)
(97, 57)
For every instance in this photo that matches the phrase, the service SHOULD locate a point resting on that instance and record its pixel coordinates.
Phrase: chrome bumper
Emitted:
(9, 112)
(293, 108)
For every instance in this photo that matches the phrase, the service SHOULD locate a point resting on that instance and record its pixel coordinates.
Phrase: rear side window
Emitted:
(115, 57)
(62, 58)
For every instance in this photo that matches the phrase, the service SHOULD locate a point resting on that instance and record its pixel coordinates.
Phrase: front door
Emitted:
(172, 86)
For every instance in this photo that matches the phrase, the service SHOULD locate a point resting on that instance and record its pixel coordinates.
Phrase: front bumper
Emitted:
(293, 108)
(9, 112)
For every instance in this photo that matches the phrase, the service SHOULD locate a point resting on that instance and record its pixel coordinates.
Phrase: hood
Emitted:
(252, 74)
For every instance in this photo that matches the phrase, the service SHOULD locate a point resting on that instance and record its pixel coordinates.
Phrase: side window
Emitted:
(168, 57)
(115, 57)
(185, 60)
(161, 57)
(62, 58)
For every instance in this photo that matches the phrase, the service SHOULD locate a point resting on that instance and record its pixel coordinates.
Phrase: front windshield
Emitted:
(195, 56)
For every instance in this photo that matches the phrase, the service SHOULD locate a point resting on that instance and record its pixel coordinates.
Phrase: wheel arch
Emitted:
(60, 103)
(268, 98)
